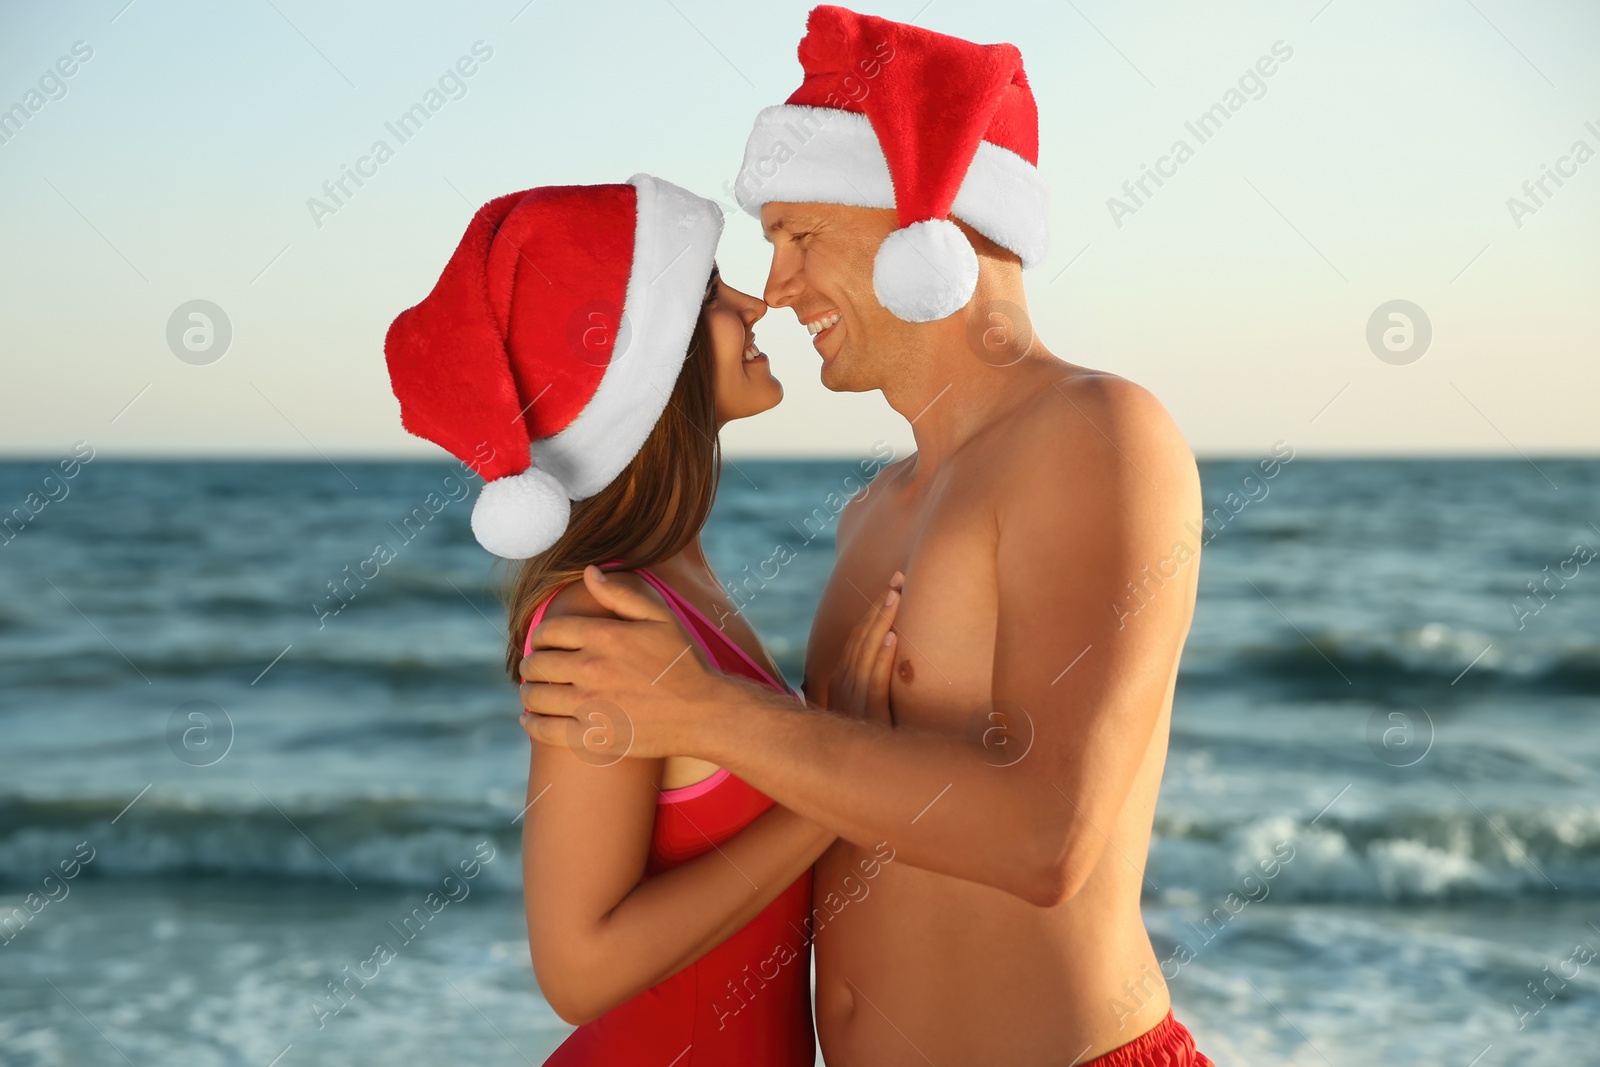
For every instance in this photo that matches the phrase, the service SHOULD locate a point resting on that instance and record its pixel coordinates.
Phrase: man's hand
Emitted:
(860, 684)
(642, 668)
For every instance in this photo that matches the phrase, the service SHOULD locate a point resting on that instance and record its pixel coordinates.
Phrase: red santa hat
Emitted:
(547, 350)
(893, 116)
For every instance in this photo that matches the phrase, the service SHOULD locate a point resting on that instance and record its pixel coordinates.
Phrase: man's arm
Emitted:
(1116, 488)
(598, 931)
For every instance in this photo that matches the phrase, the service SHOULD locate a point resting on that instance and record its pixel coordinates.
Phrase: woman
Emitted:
(581, 346)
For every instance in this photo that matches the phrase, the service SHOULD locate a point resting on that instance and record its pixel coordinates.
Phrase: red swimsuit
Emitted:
(747, 1001)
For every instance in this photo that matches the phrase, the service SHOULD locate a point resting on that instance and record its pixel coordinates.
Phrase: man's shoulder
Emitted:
(1089, 428)
(1098, 403)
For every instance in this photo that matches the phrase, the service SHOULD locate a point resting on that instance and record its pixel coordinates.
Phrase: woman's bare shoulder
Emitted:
(575, 598)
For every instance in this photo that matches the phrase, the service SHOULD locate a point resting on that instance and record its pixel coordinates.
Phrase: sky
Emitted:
(1384, 159)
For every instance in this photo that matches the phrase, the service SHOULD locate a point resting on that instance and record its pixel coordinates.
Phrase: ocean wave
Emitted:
(1424, 655)
(388, 842)
(311, 662)
(1402, 856)
(1375, 663)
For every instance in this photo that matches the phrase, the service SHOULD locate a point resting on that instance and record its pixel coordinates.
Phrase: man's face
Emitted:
(822, 257)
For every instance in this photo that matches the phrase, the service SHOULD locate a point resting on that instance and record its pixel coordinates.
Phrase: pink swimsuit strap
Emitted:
(681, 607)
(684, 610)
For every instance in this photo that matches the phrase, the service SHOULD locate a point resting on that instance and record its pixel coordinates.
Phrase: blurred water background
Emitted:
(1361, 691)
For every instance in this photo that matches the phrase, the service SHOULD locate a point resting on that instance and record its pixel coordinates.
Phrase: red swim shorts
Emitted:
(1169, 1044)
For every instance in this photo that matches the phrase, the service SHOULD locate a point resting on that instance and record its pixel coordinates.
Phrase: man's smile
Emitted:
(822, 322)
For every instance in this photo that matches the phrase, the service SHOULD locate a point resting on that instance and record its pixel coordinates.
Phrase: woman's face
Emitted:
(743, 378)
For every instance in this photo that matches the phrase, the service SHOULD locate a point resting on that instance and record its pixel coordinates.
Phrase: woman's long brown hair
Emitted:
(650, 512)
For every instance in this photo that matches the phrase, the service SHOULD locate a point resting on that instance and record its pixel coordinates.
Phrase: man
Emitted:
(982, 904)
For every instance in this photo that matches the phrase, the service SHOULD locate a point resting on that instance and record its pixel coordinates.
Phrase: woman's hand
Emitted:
(860, 685)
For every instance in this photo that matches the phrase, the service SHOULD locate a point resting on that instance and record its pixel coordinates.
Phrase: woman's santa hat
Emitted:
(895, 116)
(547, 351)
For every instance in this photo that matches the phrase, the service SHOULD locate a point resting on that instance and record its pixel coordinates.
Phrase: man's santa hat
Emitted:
(547, 350)
(894, 116)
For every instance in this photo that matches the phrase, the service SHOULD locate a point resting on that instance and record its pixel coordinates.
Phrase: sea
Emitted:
(252, 714)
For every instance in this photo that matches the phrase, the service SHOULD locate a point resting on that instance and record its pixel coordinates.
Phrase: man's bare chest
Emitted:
(946, 619)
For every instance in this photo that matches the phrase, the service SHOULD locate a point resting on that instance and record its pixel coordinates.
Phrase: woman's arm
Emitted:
(599, 935)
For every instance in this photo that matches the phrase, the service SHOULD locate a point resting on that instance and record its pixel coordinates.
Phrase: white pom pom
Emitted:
(520, 515)
(926, 271)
